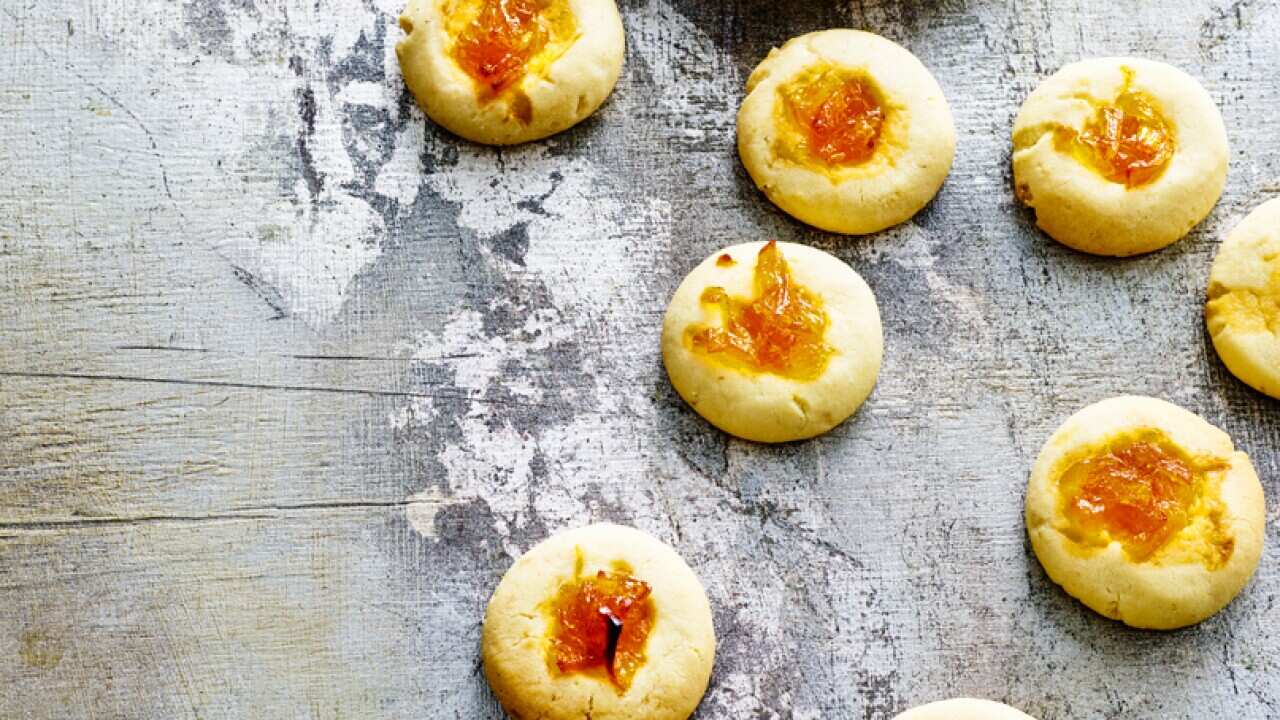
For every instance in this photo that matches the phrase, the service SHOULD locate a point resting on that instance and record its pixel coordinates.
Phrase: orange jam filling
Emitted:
(839, 114)
(1139, 492)
(601, 624)
(779, 331)
(496, 47)
(1127, 141)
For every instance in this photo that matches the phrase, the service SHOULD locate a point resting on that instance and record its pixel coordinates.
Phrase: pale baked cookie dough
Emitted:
(519, 648)
(1145, 572)
(767, 406)
(563, 83)
(1243, 312)
(1093, 205)
(909, 157)
(963, 709)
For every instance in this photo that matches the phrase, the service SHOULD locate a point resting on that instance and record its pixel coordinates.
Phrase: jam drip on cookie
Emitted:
(1127, 141)
(601, 623)
(496, 47)
(779, 331)
(840, 114)
(1140, 492)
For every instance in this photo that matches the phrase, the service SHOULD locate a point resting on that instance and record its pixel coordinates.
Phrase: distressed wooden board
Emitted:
(288, 376)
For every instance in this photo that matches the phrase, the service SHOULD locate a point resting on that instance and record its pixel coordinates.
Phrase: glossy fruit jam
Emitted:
(779, 331)
(839, 114)
(1139, 492)
(502, 38)
(602, 622)
(1127, 141)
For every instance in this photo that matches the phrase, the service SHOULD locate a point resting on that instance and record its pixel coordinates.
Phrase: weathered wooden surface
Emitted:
(288, 376)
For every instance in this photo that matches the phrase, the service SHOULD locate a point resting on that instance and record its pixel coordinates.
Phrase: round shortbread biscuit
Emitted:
(1079, 206)
(1243, 311)
(911, 157)
(519, 620)
(1190, 575)
(759, 405)
(563, 83)
(963, 709)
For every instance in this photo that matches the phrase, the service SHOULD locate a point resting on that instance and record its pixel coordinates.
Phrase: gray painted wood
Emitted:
(288, 376)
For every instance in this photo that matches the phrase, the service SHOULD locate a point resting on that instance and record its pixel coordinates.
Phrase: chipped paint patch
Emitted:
(402, 175)
(421, 509)
(303, 235)
(310, 254)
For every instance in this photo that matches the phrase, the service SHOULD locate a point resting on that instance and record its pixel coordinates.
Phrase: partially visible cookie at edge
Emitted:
(501, 72)
(963, 709)
(1243, 310)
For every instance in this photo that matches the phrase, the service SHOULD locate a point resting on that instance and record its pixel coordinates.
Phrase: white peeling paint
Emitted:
(402, 175)
(421, 509)
(363, 92)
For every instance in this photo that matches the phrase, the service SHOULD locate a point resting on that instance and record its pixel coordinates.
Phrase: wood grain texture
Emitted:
(288, 376)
